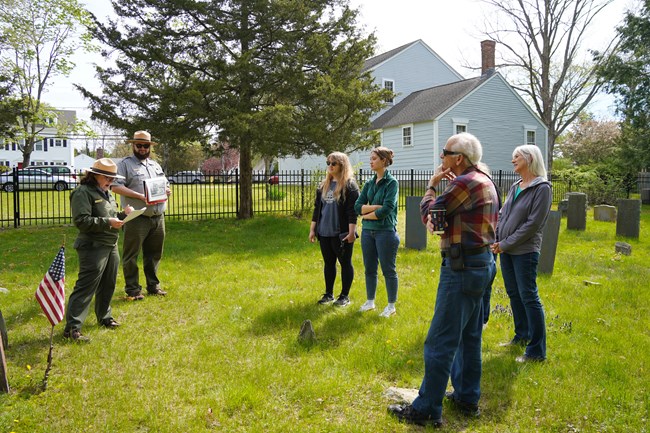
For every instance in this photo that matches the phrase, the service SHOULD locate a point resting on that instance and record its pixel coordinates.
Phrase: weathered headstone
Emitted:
(623, 248)
(416, 232)
(4, 381)
(577, 211)
(628, 220)
(645, 196)
(550, 235)
(605, 212)
(307, 333)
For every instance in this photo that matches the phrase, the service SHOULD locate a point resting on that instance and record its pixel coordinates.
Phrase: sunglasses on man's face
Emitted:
(332, 163)
(446, 152)
(140, 146)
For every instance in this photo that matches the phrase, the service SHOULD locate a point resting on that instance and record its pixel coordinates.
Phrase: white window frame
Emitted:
(410, 135)
(458, 122)
(530, 129)
(392, 85)
(58, 142)
(38, 146)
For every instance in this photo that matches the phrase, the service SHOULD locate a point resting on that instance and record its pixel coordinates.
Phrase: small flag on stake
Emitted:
(51, 292)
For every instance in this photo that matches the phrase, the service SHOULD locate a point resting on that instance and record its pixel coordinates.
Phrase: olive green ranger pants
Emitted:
(148, 234)
(98, 265)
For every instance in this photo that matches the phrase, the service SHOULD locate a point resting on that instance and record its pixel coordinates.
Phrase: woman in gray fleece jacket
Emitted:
(519, 237)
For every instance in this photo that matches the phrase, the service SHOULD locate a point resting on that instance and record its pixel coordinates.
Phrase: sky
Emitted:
(450, 27)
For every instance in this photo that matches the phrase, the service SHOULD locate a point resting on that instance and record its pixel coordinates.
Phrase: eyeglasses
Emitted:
(446, 152)
(140, 146)
(332, 163)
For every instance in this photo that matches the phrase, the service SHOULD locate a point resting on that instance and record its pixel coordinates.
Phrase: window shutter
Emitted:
(45, 140)
(65, 143)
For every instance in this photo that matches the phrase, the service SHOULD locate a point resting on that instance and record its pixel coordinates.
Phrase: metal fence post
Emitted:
(14, 176)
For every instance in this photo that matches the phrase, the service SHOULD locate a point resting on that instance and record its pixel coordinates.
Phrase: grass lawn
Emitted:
(220, 352)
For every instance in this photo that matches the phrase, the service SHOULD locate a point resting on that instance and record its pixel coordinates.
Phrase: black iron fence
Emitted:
(37, 199)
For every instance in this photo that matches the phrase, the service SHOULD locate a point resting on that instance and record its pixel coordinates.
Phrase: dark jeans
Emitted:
(147, 234)
(455, 332)
(520, 278)
(328, 248)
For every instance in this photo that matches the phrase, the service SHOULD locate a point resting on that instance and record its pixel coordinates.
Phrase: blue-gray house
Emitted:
(433, 102)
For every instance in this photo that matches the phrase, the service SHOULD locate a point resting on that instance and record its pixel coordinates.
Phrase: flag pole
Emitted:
(49, 361)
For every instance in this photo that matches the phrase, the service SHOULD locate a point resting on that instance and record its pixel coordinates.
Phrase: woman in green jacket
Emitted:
(377, 205)
(94, 213)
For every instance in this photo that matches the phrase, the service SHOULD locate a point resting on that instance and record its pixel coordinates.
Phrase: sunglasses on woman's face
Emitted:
(332, 163)
(140, 146)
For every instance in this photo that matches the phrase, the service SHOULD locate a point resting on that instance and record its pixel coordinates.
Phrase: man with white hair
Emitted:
(453, 344)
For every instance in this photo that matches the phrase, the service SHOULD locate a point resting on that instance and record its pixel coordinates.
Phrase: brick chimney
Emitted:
(487, 57)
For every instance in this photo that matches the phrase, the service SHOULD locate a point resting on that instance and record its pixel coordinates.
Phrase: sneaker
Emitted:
(469, 409)
(407, 413)
(525, 358)
(326, 299)
(514, 342)
(342, 301)
(368, 305)
(75, 335)
(388, 311)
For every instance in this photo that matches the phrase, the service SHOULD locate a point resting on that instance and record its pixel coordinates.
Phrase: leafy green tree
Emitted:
(272, 78)
(38, 38)
(628, 75)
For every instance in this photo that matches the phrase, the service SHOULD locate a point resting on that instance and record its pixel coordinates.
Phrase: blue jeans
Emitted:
(453, 344)
(380, 246)
(520, 278)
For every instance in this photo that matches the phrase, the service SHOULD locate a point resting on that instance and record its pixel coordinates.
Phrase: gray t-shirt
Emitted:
(135, 172)
(328, 223)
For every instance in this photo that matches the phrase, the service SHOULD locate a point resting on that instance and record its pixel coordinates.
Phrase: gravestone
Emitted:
(550, 235)
(416, 232)
(645, 196)
(628, 220)
(563, 206)
(577, 211)
(605, 212)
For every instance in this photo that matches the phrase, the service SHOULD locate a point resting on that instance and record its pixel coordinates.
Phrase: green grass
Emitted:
(220, 352)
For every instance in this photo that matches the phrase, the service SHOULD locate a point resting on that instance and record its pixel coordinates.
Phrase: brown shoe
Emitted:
(156, 292)
(75, 335)
(136, 296)
(109, 323)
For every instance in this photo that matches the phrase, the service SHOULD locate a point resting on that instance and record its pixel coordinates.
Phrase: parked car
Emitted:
(59, 170)
(33, 178)
(274, 180)
(187, 177)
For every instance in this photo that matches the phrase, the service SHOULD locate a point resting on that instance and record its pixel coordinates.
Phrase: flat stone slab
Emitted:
(401, 395)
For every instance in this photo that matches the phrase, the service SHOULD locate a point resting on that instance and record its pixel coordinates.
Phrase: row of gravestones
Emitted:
(574, 207)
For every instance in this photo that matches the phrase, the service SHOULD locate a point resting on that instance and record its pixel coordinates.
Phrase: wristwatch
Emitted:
(432, 188)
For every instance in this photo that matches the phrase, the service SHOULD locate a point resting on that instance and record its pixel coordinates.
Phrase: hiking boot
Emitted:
(408, 414)
(326, 299)
(469, 409)
(342, 301)
(75, 335)
(109, 323)
(367, 306)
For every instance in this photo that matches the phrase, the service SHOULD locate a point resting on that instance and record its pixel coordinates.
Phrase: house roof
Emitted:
(427, 104)
(374, 61)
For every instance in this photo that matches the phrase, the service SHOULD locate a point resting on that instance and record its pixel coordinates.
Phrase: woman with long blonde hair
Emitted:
(334, 224)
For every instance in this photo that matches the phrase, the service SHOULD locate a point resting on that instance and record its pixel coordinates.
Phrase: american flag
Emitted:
(51, 293)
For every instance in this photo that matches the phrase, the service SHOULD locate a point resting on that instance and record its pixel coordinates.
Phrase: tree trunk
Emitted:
(246, 181)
